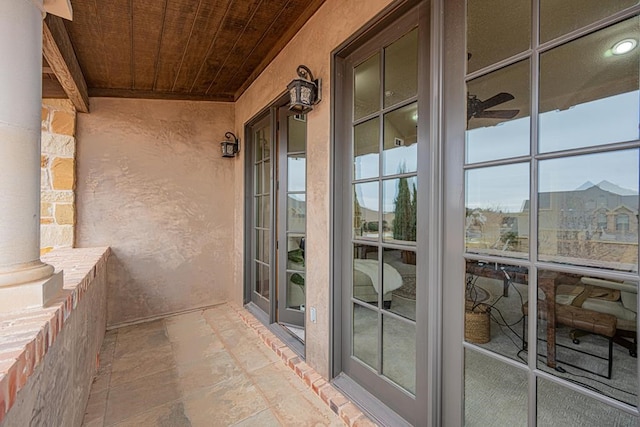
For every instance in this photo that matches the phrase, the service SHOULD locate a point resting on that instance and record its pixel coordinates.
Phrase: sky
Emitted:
(602, 121)
(608, 120)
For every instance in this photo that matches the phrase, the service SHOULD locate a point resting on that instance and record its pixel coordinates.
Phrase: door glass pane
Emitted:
(365, 210)
(258, 137)
(559, 406)
(399, 278)
(400, 208)
(296, 212)
(588, 95)
(257, 203)
(259, 245)
(266, 211)
(496, 30)
(266, 142)
(366, 149)
(365, 335)
(295, 290)
(295, 253)
(399, 352)
(498, 119)
(495, 394)
(367, 87)
(266, 246)
(264, 281)
(401, 69)
(561, 17)
(498, 210)
(297, 133)
(495, 300)
(365, 274)
(580, 199)
(400, 153)
(257, 173)
(266, 177)
(296, 172)
(589, 312)
(266, 208)
(257, 287)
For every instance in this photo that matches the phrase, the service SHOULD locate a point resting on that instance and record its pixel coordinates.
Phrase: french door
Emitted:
(262, 230)
(383, 175)
(277, 223)
(292, 217)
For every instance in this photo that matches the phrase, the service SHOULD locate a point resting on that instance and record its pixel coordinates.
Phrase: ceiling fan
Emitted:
(478, 109)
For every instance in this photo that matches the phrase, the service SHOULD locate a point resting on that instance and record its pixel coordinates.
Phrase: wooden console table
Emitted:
(548, 281)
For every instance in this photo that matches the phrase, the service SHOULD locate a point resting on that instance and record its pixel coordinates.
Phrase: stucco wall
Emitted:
(153, 185)
(332, 24)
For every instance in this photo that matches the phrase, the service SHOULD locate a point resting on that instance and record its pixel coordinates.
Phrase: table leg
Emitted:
(547, 283)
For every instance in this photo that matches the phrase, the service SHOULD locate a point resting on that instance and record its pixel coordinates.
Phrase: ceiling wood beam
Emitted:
(96, 92)
(59, 53)
(51, 88)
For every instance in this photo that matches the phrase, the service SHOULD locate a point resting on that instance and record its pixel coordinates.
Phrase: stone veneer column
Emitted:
(24, 280)
(57, 162)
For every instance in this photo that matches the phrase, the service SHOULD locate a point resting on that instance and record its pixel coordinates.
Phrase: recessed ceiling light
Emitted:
(624, 46)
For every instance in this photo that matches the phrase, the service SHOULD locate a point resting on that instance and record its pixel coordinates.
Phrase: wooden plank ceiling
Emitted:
(180, 49)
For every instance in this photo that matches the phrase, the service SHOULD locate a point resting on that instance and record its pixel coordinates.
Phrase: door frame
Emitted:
(453, 124)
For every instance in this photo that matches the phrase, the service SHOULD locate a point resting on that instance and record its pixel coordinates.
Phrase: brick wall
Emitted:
(58, 175)
(49, 355)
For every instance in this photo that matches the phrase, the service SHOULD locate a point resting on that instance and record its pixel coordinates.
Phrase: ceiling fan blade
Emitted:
(497, 114)
(495, 100)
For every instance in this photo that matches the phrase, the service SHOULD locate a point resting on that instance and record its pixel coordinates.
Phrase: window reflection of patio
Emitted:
(580, 355)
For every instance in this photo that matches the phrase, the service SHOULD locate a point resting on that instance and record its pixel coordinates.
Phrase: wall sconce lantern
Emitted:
(230, 147)
(304, 92)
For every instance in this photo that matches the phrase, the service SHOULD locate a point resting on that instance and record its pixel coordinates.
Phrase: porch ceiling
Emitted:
(178, 49)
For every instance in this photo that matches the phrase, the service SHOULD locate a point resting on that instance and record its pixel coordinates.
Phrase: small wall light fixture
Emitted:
(304, 92)
(231, 146)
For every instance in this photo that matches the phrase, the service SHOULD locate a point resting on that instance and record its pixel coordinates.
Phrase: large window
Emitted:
(552, 168)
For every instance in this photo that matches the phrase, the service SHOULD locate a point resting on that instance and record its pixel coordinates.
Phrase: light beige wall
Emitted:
(153, 185)
(334, 23)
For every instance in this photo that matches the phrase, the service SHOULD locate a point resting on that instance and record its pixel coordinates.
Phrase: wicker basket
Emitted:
(477, 326)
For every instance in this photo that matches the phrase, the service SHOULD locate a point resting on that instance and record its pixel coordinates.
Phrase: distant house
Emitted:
(595, 221)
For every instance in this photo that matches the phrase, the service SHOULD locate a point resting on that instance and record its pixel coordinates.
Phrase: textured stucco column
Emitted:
(20, 109)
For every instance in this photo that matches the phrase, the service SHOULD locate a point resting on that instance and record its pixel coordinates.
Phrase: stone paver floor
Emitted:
(205, 368)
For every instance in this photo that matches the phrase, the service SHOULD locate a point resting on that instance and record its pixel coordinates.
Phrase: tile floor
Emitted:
(205, 368)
